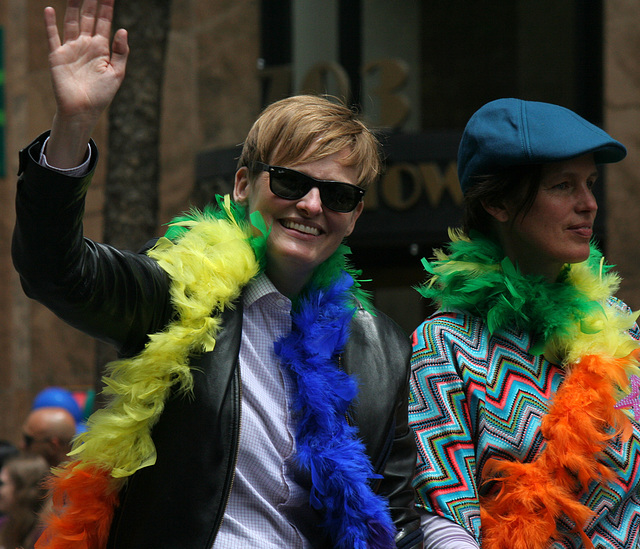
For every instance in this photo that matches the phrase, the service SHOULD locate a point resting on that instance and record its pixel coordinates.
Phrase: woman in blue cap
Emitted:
(525, 381)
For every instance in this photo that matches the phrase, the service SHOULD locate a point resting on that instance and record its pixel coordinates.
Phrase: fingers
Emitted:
(119, 52)
(52, 28)
(88, 17)
(71, 20)
(105, 17)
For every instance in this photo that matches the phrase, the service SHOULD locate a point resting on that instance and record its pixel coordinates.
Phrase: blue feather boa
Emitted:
(327, 445)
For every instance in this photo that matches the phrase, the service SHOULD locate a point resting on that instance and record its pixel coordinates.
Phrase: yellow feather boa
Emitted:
(118, 440)
(140, 385)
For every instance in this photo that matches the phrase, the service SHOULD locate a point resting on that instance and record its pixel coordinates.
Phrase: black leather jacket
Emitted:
(120, 297)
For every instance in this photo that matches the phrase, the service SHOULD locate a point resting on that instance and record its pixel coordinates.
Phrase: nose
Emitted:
(587, 200)
(310, 203)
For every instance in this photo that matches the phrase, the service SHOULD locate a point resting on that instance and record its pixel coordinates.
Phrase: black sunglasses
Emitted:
(293, 185)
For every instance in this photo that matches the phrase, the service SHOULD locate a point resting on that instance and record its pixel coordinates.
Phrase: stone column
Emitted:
(622, 121)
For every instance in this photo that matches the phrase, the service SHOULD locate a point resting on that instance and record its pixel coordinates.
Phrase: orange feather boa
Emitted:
(209, 264)
(573, 326)
(84, 500)
(532, 496)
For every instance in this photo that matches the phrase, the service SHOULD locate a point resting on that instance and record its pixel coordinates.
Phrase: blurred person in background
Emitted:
(22, 498)
(59, 397)
(7, 450)
(49, 432)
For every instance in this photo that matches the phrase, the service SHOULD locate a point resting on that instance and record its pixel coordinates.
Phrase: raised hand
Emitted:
(86, 72)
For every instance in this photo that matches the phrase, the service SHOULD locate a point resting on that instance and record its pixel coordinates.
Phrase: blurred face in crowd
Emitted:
(7, 490)
(48, 432)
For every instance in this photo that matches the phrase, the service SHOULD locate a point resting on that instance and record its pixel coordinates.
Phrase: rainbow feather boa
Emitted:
(574, 327)
(215, 254)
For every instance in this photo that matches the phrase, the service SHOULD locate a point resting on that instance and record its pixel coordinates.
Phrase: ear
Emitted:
(241, 186)
(355, 215)
(497, 211)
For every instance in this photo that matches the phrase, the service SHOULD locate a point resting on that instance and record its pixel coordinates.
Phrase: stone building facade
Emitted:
(210, 99)
(218, 66)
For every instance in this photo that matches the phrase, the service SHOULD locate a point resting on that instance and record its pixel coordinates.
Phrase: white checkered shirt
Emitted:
(264, 491)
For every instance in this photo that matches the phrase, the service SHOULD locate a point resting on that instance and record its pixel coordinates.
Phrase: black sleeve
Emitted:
(378, 354)
(116, 296)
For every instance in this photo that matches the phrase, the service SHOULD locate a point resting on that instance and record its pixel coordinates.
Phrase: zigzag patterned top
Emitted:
(476, 396)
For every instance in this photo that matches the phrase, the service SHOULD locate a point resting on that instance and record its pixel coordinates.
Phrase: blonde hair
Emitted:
(306, 128)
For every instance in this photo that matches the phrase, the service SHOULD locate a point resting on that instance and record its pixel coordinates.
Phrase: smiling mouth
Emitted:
(301, 228)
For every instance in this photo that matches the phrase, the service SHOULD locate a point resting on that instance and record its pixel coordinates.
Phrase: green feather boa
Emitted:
(323, 276)
(473, 275)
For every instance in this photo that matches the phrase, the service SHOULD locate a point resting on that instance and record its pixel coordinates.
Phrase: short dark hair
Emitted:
(516, 184)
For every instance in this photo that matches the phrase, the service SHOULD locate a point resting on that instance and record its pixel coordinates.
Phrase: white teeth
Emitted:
(302, 228)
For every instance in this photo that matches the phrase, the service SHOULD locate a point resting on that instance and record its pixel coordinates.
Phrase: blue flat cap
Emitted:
(513, 132)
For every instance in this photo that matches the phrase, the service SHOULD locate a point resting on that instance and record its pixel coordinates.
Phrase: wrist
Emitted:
(67, 143)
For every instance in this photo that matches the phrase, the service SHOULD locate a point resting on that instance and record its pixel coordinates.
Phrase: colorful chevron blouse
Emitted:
(476, 396)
